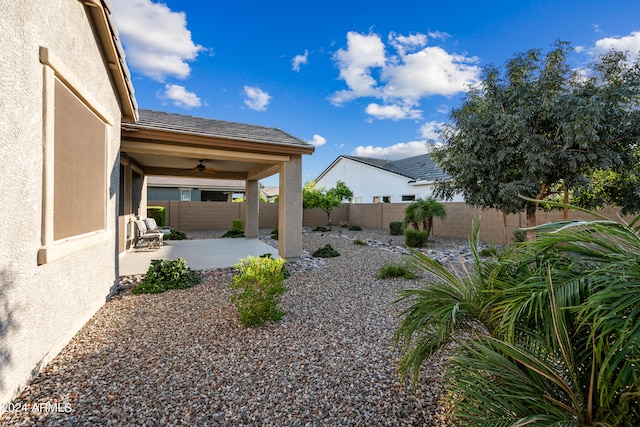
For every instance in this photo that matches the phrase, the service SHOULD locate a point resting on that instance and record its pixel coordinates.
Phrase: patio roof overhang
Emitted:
(160, 148)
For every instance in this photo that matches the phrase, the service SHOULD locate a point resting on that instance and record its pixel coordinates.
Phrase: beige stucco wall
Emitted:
(42, 307)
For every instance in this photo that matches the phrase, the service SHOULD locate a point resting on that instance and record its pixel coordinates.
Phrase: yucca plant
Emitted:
(562, 341)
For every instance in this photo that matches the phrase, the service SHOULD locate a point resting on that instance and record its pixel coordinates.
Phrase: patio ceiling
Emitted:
(172, 145)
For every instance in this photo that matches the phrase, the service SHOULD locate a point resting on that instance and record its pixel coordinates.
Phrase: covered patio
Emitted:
(166, 144)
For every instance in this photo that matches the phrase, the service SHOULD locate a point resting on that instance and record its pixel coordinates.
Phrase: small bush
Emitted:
(320, 229)
(175, 235)
(392, 270)
(359, 242)
(233, 233)
(167, 274)
(415, 238)
(355, 228)
(519, 235)
(395, 228)
(274, 233)
(237, 224)
(158, 213)
(326, 252)
(257, 289)
(489, 251)
(344, 224)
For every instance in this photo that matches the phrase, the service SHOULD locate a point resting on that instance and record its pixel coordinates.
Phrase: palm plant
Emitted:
(562, 341)
(423, 211)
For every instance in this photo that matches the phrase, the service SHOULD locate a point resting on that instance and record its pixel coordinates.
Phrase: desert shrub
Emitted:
(274, 233)
(257, 289)
(355, 228)
(175, 235)
(326, 252)
(357, 241)
(415, 238)
(392, 270)
(167, 274)
(344, 224)
(519, 235)
(489, 251)
(158, 213)
(320, 229)
(237, 224)
(395, 228)
(233, 233)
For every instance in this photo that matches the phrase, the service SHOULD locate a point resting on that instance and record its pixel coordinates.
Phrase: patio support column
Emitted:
(251, 211)
(290, 209)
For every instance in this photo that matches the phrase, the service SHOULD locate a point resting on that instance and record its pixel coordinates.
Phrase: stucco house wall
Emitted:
(43, 304)
(371, 184)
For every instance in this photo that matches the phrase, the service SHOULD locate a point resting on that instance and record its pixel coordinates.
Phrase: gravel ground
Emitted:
(182, 359)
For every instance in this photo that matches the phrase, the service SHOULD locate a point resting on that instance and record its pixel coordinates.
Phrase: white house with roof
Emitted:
(384, 181)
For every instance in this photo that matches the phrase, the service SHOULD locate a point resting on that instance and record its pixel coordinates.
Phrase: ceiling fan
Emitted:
(200, 167)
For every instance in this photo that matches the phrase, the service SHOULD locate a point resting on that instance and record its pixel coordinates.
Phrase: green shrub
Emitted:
(392, 270)
(234, 234)
(257, 289)
(320, 229)
(237, 224)
(158, 213)
(359, 242)
(326, 252)
(489, 251)
(175, 235)
(355, 228)
(274, 233)
(167, 274)
(519, 235)
(395, 228)
(415, 238)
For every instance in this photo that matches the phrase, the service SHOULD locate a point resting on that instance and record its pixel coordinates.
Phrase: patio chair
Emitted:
(152, 238)
(152, 226)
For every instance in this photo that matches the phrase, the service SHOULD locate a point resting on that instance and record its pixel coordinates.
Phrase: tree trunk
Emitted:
(532, 208)
(504, 228)
(566, 202)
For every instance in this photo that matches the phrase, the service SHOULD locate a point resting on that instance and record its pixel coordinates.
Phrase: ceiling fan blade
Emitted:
(211, 171)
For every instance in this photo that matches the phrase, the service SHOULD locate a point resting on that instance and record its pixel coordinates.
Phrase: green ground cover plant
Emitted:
(326, 251)
(164, 274)
(392, 270)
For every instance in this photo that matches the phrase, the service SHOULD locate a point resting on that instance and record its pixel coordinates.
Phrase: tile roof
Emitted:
(417, 168)
(216, 128)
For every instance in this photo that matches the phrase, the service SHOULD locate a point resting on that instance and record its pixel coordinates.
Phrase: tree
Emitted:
(539, 129)
(327, 200)
(423, 211)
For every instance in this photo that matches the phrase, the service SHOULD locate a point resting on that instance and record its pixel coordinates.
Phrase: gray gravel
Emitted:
(181, 358)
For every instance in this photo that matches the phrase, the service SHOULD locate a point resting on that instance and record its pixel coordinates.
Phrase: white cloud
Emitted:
(393, 112)
(256, 98)
(156, 39)
(401, 80)
(363, 53)
(630, 43)
(431, 130)
(299, 60)
(180, 96)
(318, 140)
(397, 151)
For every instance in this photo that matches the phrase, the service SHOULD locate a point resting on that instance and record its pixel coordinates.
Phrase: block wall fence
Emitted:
(191, 216)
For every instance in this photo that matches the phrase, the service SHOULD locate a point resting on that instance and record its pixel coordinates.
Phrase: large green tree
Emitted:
(538, 128)
(327, 200)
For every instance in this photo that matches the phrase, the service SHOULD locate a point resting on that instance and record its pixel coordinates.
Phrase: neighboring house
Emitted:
(194, 189)
(65, 88)
(384, 181)
(271, 193)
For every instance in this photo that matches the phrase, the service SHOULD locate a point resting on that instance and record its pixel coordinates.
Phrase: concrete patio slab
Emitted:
(201, 254)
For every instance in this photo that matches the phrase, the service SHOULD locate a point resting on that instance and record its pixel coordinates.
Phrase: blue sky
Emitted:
(373, 79)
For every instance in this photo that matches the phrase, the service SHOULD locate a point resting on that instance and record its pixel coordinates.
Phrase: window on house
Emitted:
(357, 200)
(376, 199)
(75, 165)
(185, 195)
(408, 198)
(386, 199)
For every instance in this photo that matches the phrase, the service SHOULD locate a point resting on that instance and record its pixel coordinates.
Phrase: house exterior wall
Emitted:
(43, 306)
(368, 182)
